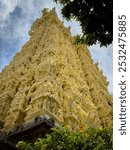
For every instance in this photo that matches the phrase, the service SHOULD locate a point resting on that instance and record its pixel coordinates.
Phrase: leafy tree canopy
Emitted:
(64, 139)
(95, 17)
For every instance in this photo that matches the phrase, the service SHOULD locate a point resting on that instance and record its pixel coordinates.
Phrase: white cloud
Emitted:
(6, 7)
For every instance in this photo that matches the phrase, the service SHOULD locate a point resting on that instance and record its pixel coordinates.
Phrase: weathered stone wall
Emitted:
(51, 76)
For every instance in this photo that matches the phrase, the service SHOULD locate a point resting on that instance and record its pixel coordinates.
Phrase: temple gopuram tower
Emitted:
(54, 79)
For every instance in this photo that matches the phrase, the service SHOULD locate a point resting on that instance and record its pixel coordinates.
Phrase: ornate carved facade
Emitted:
(52, 77)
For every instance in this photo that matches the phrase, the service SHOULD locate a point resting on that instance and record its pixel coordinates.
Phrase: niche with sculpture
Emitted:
(44, 105)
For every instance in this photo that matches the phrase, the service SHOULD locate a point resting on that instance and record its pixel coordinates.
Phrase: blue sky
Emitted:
(16, 18)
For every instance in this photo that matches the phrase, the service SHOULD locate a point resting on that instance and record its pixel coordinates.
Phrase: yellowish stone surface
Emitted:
(51, 76)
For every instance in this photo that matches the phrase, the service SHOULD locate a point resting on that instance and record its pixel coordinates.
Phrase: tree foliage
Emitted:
(95, 17)
(64, 139)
